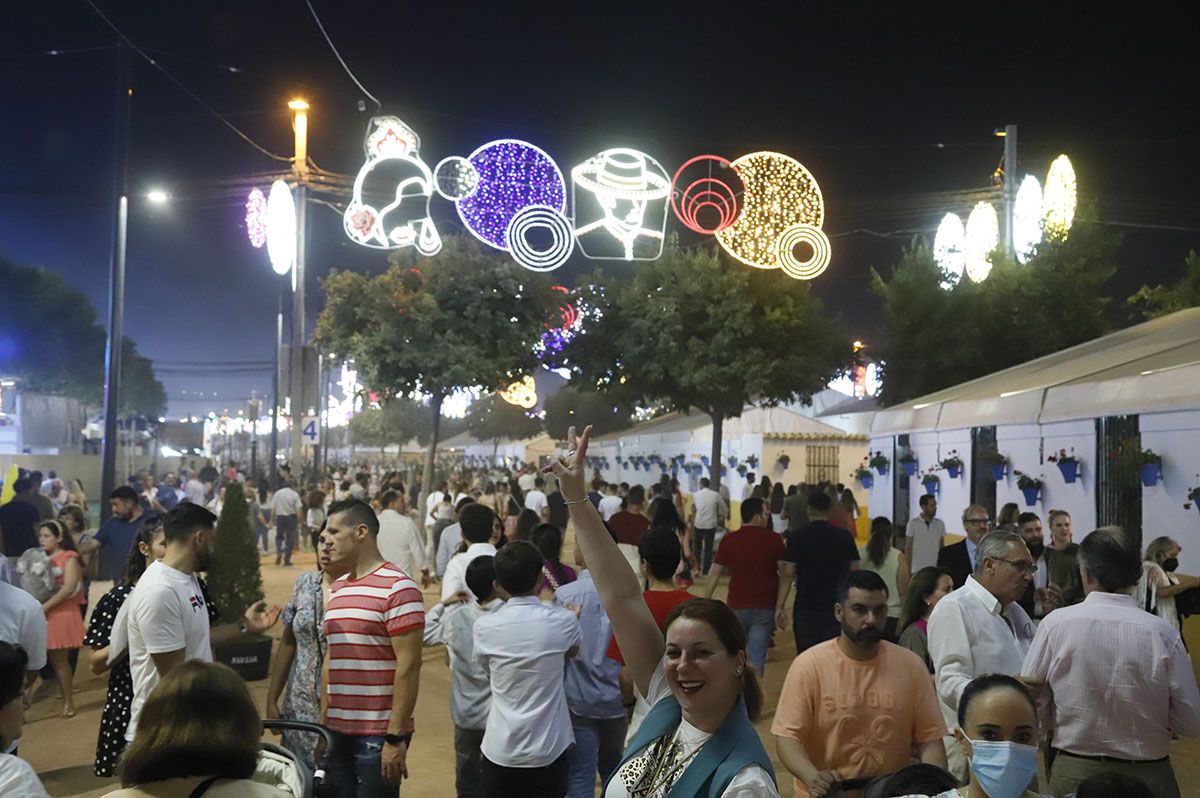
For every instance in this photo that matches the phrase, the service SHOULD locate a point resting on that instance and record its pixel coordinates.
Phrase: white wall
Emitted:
(1176, 436)
(1022, 444)
(1079, 498)
(881, 495)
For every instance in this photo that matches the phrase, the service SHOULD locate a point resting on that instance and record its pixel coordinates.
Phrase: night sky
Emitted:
(886, 104)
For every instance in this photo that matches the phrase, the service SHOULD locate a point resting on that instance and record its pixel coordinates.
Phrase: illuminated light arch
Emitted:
(1059, 198)
(397, 224)
(570, 316)
(949, 249)
(543, 217)
(779, 194)
(513, 175)
(281, 227)
(1027, 218)
(455, 178)
(522, 393)
(983, 236)
(619, 197)
(815, 238)
(704, 192)
(256, 218)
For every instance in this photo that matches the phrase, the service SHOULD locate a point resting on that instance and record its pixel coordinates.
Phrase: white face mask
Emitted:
(1004, 769)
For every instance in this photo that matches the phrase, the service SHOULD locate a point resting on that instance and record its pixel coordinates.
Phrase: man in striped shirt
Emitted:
(374, 623)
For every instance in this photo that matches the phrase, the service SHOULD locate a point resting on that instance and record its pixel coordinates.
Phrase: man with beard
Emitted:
(116, 535)
(165, 618)
(1039, 598)
(857, 705)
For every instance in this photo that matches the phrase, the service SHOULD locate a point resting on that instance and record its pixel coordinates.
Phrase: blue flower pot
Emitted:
(998, 470)
(1031, 496)
(1151, 474)
(909, 466)
(882, 470)
(867, 481)
(1070, 471)
(953, 471)
(931, 487)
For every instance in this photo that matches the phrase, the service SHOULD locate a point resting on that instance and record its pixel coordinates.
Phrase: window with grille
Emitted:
(821, 464)
(1118, 485)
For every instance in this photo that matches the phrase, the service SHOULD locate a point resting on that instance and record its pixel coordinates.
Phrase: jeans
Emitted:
(286, 527)
(702, 548)
(353, 766)
(467, 761)
(599, 743)
(758, 625)
(544, 782)
(260, 532)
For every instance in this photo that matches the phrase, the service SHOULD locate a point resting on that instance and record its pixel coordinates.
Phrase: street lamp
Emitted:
(158, 196)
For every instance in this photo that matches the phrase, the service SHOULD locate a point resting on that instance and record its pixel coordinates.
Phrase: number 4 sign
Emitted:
(310, 428)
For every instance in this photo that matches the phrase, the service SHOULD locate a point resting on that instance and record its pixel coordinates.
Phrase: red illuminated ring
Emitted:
(567, 311)
(688, 204)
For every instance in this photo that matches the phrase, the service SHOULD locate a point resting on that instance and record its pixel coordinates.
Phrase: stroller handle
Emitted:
(301, 726)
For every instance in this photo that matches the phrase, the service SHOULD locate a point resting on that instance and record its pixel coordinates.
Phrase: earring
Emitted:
(739, 671)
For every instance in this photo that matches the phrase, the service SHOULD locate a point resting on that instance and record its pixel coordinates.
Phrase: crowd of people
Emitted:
(933, 668)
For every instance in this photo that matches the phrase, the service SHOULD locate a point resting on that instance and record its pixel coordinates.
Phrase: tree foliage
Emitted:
(1160, 300)
(234, 580)
(932, 338)
(570, 405)
(50, 339)
(493, 419)
(397, 422)
(695, 330)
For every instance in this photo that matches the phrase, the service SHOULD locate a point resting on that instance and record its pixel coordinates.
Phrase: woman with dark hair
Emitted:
(777, 523)
(149, 545)
(314, 516)
(527, 520)
(697, 739)
(925, 590)
(198, 734)
(64, 622)
(662, 513)
(1065, 586)
(17, 778)
(549, 539)
(880, 556)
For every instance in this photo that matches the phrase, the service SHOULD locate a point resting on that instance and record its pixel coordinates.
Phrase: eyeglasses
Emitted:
(1020, 566)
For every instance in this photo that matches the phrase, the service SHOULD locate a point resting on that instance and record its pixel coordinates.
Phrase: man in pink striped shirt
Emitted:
(1117, 681)
(374, 624)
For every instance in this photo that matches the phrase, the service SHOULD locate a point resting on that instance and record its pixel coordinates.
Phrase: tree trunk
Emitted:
(495, 451)
(427, 476)
(714, 467)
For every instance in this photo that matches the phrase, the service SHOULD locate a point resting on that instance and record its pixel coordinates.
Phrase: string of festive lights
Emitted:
(281, 227)
(983, 236)
(619, 197)
(1059, 198)
(256, 218)
(522, 393)
(704, 193)
(797, 235)
(534, 217)
(513, 175)
(949, 249)
(1027, 218)
(455, 178)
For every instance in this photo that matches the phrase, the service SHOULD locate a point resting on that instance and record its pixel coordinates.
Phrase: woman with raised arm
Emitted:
(698, 739)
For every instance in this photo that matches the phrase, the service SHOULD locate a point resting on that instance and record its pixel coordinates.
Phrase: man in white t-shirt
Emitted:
(165, 619)
(536, 500)
(23, 623)
(709, 514)
(399, 539)
(924, 535)
(477, 523)
(527, 481)
(610, 502)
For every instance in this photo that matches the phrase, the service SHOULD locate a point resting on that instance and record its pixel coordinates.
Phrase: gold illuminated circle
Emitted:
(522, 393)
(802, 234)
(1058, 199)
(779, 195)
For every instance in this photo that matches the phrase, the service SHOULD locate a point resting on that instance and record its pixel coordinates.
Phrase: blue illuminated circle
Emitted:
(562, 238)
(513, 175)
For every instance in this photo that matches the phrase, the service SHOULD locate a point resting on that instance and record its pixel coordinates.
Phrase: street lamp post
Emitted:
(299, 109)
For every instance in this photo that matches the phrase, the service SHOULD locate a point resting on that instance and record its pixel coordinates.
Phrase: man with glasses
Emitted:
(981, 628)
(961, 558)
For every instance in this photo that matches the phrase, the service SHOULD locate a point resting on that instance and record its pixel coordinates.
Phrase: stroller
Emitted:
(280, 768)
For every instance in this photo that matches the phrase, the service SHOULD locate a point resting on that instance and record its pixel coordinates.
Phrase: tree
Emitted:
(493, 419)
(1161, 300)
(932, 338)
(462, 318)
(571, 404)
(398, 421)
(234, 581)
(695, 330)
(50, 339)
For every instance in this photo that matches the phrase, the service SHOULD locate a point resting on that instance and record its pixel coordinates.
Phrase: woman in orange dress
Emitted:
(64, 619)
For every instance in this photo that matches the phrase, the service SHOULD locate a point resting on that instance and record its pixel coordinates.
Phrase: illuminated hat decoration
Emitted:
(622, 173)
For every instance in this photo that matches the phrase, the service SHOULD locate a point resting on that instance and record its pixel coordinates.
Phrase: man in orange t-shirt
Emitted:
(856, 705)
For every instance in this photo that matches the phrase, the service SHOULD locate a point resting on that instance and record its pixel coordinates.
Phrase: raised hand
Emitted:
(570, 469)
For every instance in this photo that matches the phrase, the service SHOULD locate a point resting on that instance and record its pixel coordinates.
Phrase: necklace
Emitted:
(671, 759)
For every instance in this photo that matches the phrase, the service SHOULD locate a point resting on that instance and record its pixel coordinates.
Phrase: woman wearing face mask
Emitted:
(1160, 583)
(998, 733)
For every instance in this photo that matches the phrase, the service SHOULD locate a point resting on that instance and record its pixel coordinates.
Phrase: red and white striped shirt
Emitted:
(363, 616)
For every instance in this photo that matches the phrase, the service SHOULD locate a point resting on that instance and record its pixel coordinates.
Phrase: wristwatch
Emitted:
(398, 739)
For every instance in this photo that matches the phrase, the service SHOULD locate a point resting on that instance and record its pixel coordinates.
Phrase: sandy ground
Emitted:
(62, 751)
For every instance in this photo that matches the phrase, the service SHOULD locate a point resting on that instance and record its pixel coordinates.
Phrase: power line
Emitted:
(342, 61)
(184, 88)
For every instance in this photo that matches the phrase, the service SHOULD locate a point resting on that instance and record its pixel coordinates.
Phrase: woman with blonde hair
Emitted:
(1160, 584)
(77, 495)
(198, 734)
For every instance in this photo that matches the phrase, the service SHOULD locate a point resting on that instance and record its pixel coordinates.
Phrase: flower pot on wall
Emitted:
(866, 481)
(909, 466)
(1070, 471)
(882, 470)
(953, 471)
(931, 488)
(998, 470)
(1031, 496)
(1151, 474)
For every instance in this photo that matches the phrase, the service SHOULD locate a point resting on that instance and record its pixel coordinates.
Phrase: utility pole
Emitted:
(1011, 182)
(296, 381)
(273, 471)
(116, 287)
(255, 409)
